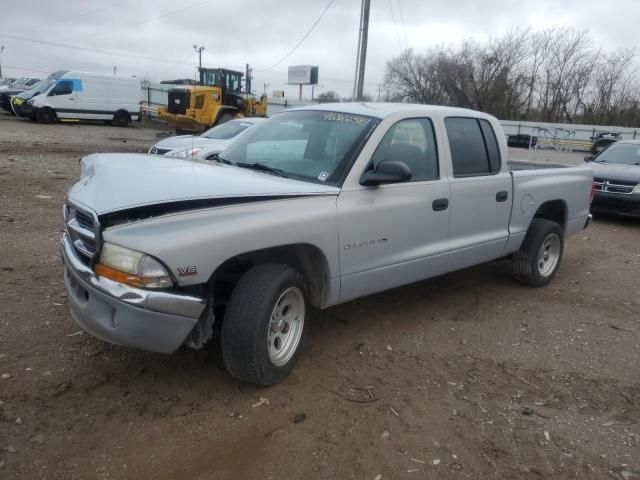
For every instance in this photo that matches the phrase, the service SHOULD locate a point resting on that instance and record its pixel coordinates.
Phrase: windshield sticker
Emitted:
(323, 176)
(346, 118)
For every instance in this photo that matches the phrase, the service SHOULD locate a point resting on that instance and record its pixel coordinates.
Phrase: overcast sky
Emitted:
(154, 38)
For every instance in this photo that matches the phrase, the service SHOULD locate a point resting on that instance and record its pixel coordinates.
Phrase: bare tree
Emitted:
(554, 75)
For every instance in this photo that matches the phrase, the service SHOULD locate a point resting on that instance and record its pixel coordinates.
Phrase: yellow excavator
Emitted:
(217, 99)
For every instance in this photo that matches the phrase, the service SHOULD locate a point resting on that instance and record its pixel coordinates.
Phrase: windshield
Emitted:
(41, 86)
(226, 130)
(314, 146)
(622, 153)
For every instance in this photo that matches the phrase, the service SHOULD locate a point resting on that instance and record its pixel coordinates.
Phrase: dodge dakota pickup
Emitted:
(316, 206)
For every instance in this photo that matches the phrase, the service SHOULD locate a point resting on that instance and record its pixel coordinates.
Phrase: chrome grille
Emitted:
(613, 186)
(82, 229)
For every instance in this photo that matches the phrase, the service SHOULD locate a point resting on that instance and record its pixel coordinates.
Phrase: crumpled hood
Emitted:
(616, 171)
(112, 182)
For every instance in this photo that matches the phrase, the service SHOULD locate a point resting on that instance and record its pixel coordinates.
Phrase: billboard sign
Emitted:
(303, 75)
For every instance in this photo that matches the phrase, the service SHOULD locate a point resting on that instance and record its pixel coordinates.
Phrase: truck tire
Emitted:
(264, 324)
(121, 119)
(538, 259)
(46, 115)
(224, 118)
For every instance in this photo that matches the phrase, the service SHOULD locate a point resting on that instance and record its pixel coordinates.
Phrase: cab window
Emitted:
(411, 141)
(63, 87)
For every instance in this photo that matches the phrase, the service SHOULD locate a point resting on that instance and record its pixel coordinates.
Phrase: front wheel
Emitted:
(264, 324)
(46, 115)
(538, 260)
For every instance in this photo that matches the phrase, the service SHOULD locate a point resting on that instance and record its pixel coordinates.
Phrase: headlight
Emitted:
(131, 267)
(188, 153)
(637, 189)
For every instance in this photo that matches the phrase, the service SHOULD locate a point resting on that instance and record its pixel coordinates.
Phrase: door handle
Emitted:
(440, 204)
(502, 196)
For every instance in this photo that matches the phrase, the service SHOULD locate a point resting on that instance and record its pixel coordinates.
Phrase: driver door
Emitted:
(396, 233)
(63, 99)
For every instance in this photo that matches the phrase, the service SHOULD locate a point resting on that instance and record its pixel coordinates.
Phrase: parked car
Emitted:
(616, 172)
(22, 84)
(88, 96)
(316, 206)
(209, 143)
(19, 86)
(522, 140)
(6, 83)
(602, 140)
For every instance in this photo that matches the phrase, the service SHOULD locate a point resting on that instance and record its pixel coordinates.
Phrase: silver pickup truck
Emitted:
(314, 207)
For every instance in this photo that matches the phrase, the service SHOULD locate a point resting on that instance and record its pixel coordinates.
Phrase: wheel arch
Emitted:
(122, 111)
(554, 210)
(221, 111)
(307, 259)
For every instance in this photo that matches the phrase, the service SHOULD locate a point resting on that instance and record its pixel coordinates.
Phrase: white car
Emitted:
(209, 143)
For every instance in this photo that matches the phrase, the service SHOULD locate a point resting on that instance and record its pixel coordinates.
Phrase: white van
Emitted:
(88, 96)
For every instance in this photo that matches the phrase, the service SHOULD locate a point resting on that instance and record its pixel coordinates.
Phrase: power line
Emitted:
(85, 14)
(144, 21)
(395, 26)
(14, 67)
(87, 49)
(404, 28)
(300, 42)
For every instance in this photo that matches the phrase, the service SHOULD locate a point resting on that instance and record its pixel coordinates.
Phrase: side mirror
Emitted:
(387, 171)
(588, 158)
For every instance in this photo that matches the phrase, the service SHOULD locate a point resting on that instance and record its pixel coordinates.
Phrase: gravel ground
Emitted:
(469, 375)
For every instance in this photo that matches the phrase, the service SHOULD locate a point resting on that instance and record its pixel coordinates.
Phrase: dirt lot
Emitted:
(451, 364)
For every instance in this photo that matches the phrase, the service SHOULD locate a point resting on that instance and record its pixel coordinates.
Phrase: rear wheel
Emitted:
(224, 118)
(46, 115)
(264, 324)
(121, 119)
(538, 260)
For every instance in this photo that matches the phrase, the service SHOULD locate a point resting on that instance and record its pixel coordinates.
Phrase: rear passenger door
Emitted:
(480, 193)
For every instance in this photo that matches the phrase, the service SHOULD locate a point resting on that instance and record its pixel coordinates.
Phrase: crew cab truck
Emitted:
(311, 208)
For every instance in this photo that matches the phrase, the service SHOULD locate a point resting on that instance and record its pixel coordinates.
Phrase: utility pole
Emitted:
(1, 50)
(115, 69)
(362, 49)
(247, 79)
(379, 90)
(265, 88)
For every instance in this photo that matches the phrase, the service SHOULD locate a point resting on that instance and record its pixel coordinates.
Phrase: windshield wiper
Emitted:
(219, 159)
(263, 168)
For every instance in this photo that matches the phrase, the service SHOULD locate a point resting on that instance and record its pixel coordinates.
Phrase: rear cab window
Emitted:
(474, 147)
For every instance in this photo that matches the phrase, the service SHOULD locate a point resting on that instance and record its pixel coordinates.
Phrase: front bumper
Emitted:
(623, 204)
(23, 109)
(158, 321)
